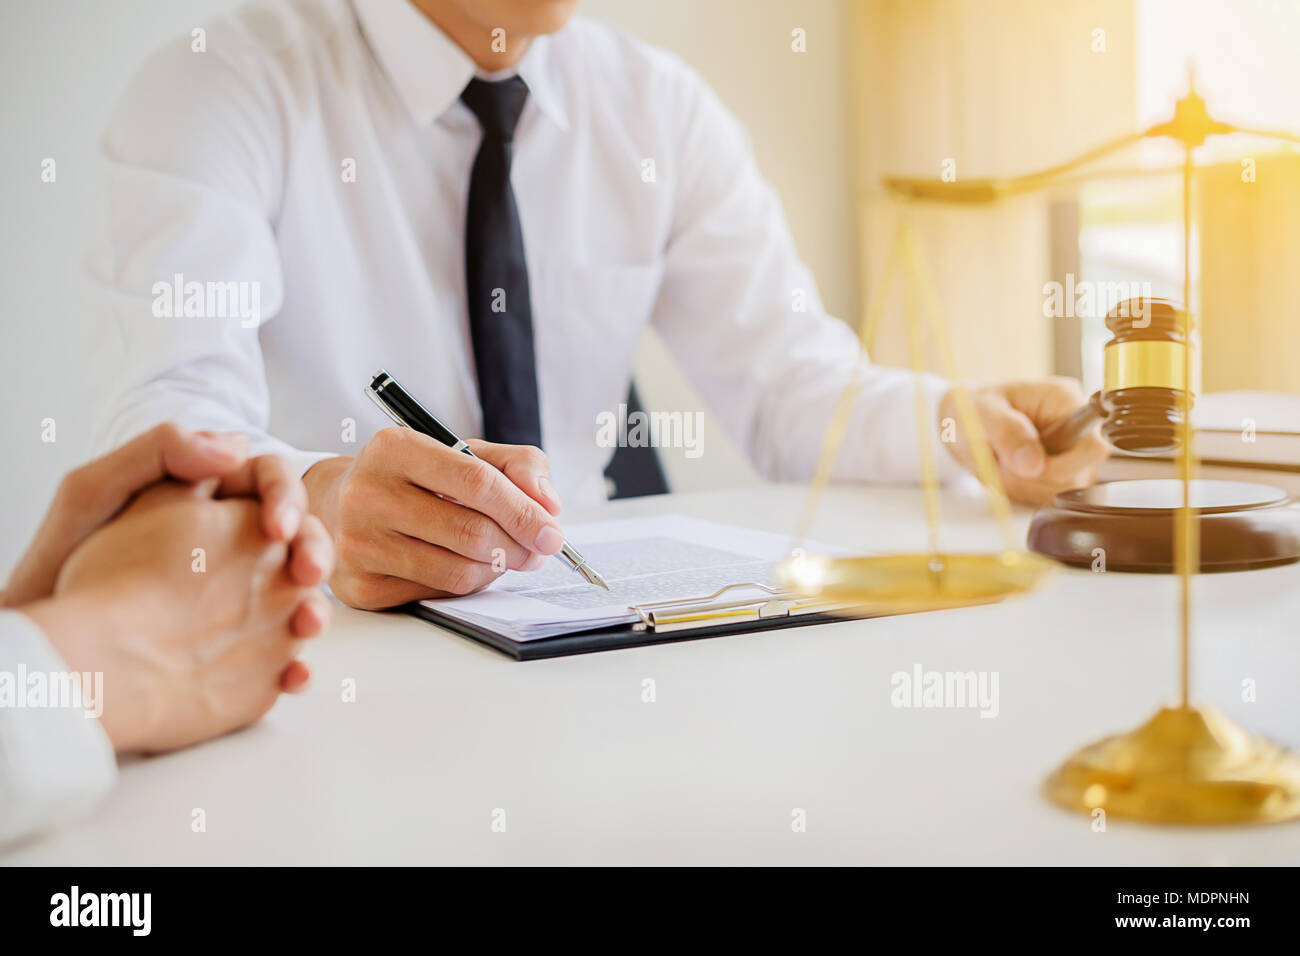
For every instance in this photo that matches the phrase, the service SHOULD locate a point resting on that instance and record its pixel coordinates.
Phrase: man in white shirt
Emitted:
(114, 640)
(454, 190)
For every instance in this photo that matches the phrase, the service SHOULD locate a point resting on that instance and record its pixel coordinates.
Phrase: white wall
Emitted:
(64, 62)
(62, 65)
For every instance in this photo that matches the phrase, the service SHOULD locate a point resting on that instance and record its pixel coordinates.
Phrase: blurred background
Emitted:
(995, 87)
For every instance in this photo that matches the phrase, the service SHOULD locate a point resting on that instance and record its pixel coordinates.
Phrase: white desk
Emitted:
(744, 730)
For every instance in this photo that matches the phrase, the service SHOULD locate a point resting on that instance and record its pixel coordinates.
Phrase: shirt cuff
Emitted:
(56, 762)
(301, 462)
(887, 448)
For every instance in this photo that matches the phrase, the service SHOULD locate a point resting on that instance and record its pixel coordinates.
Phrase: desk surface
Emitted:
(444, 734)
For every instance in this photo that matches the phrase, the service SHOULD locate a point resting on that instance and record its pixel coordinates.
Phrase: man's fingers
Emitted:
(311, 554)
(1038, 492)
(1013, 416)
(1076, 468)
(1013, 436)
(272, 480)
(526, 466)
(168, 450)
(1046, 401)
(311, 616)
(416, 513)
(475, 483)
(432, 566)
(411, 519)
(97, 491)
(1083, 458)
(1039, 404)
(392, 568)
(373, 592)
(91, 495)
(295, 677)
(1027, 490)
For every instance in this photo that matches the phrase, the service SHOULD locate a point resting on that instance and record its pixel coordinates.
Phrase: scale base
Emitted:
(1129, 525)
(1184, 765)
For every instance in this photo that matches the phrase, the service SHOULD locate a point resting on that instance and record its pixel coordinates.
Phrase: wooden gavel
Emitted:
(1140, 404)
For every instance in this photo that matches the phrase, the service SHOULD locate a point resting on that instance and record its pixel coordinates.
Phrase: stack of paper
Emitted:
(1259, 428)
(642, 559)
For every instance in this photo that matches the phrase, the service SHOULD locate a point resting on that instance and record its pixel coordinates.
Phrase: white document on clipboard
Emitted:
(644, 561)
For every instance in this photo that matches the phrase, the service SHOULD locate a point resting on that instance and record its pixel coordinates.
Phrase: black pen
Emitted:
(397, 403)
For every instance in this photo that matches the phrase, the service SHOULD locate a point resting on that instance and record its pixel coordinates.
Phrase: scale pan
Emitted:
(913, 582)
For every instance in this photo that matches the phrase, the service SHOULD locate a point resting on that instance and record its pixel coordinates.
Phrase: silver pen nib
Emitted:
(570, 556)
(592, 577)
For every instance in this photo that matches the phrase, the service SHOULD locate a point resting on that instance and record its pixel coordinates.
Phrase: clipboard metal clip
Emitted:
(708, 611)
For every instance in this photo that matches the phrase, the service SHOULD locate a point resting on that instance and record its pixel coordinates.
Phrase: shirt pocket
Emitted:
(587, 321)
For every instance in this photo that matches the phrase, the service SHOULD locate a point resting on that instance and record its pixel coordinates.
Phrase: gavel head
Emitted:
(1145, 384)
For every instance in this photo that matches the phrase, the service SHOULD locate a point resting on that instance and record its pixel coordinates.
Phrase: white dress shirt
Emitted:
(55, 762)
(640, 201)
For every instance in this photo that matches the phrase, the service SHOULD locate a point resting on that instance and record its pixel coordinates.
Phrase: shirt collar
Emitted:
(429, 71)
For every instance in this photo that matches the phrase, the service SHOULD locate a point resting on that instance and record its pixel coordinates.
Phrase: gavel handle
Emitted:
(1062, 435)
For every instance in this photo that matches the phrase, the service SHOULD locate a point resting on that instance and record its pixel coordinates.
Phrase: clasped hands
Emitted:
(187, 573)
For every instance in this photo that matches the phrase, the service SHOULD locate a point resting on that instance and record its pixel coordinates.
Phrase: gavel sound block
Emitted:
(1130, 524)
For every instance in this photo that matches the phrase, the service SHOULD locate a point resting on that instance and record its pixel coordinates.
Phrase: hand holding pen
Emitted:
(400, 406)
(411, 518)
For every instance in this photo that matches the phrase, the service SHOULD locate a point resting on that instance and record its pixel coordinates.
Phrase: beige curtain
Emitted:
(999, 87)
(1250, 273)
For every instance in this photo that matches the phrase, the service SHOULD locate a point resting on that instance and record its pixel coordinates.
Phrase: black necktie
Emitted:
(500, 314)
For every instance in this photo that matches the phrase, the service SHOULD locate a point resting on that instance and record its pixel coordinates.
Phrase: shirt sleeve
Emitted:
(192, 160)
(56, 763)
(742, 315)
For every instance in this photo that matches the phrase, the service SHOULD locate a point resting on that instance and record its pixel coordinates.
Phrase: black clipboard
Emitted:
(662, 622)
(603, 639)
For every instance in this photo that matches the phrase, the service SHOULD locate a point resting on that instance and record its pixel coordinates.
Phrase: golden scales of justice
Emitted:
(1186, 764)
